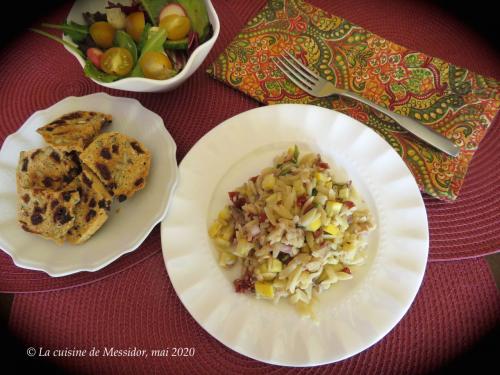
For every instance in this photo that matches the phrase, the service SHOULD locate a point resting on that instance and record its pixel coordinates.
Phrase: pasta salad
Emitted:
(294, 230)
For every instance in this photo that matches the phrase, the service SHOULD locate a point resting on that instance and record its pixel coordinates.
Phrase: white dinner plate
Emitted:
(127, 227)
(353, 314)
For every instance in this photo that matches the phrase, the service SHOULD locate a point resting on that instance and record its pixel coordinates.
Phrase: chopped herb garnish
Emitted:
(296, 154)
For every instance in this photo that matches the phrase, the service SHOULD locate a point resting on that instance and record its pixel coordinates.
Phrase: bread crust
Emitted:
(46, 168)
(92, 210)
(121, 162)
(74, 131)
(47, 213)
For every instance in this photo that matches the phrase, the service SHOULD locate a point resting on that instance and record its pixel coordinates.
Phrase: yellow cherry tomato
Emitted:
(102, 33)
(155, 65)
(117, 61)
(134, 25)
(177, 27)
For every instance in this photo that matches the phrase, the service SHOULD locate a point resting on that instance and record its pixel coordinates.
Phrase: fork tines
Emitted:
(297, 72)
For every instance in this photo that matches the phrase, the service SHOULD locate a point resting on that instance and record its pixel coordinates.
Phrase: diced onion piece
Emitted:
(254, 230)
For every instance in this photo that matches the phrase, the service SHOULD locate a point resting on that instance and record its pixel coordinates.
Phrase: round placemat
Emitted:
(18, 280)
(138, 310)
(469, 227)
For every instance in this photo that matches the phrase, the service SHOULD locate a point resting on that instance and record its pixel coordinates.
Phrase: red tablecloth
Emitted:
(138, 308)
(463, 229)
(131, 302)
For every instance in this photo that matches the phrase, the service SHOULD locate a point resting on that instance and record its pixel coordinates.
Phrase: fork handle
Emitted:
(428, 135)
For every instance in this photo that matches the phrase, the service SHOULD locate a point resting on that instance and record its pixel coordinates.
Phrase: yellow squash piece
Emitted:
(331, 229)
(298, 186)
(268, 182)
(227, 233)
(344, 193)
(314, 226)
(333, 208)
(225, 214)
(214, 228)
(321, 177)
(264, 289)
(272, 265)
(243, 248)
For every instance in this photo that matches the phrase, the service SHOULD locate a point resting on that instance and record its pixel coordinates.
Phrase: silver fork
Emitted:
(317, 86)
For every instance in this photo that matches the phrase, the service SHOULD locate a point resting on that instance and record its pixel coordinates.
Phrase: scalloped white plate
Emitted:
(126, 229)
(354, 314)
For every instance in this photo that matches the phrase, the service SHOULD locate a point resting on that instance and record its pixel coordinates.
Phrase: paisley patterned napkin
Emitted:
(454, 101)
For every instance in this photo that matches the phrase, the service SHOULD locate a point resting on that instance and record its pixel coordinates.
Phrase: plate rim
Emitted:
(170, 189)
(401, 313)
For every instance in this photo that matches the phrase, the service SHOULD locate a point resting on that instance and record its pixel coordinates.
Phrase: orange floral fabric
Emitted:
(454, 101)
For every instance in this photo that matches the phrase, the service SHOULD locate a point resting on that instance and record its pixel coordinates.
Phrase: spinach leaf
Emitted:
(181, 44)
(74, 30)
(154, 42)
(197, 13)
(144, 36)
(92, 72)
(153, 8)
(124, 40)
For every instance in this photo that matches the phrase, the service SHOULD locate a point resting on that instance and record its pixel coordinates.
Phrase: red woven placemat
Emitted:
(463, 229)
(456, 306)
(18, 280)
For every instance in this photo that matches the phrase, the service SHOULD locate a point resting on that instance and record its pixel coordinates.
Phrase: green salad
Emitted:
(149, 38)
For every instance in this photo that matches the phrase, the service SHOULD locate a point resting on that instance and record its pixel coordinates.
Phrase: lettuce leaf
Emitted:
(91, 71)
(74, 30)
(124, 40)
(153, 8)
(59, 40)
(154, 42)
